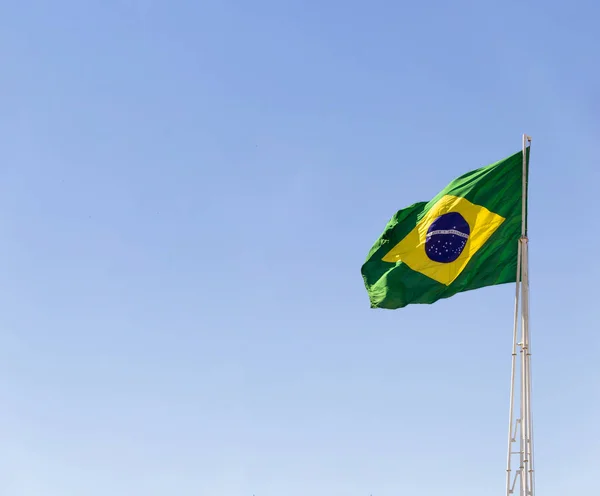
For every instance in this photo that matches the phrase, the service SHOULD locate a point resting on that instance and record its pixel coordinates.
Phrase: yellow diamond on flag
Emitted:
(446, 238)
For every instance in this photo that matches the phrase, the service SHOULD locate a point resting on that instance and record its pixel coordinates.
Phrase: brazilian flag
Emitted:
(463, 239)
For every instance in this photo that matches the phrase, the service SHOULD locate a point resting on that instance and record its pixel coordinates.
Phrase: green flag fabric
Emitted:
(463, 239)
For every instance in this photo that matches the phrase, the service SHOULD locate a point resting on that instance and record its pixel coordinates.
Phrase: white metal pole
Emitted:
(532, 469)
(524, 410)
(527, 423)
(523, 424)
(511, 434)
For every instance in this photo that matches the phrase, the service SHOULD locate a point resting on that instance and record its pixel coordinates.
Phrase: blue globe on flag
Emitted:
(446, 237)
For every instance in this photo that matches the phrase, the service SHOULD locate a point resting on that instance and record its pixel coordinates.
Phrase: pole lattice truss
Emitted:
(519, 467)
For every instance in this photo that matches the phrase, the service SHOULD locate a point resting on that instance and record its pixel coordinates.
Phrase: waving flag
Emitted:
(463, 239)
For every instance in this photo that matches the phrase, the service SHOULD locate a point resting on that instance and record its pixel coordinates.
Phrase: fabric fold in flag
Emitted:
(463, 239)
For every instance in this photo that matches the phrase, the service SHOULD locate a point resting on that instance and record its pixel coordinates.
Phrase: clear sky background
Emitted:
(187, 192)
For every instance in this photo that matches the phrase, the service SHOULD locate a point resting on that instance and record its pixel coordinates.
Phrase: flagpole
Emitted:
(511, 433)
(524, 422)
(527, 432)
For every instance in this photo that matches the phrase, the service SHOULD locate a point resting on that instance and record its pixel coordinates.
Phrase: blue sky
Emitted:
(187, 193)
